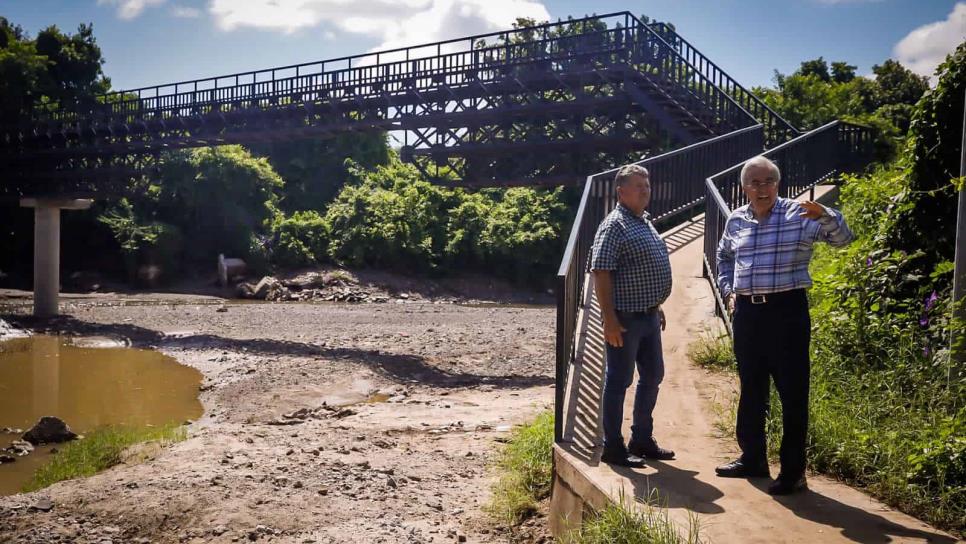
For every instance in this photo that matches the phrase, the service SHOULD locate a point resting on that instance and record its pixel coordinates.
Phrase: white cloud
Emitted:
(393, 22)
(129, 9)
(185, 12)
(925, 47)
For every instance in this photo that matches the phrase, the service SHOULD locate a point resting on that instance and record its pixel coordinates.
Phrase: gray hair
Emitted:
(628, 171)
(762, 161)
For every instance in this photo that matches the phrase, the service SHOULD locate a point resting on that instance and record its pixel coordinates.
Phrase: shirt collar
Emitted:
(626, 211)
(750, 215)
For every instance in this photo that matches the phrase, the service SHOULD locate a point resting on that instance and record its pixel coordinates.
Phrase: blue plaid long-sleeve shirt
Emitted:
(772, 256)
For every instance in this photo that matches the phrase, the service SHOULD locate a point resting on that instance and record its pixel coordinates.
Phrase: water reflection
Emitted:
(87, 387)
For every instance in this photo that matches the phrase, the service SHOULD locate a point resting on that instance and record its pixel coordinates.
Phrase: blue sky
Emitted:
(149, 42)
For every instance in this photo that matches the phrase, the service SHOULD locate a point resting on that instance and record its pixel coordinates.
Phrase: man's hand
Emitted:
(730, 303)
(613, 332)
(812, 210)
(660, 313)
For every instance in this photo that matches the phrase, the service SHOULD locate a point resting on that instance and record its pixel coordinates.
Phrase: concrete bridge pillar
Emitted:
(47, 249)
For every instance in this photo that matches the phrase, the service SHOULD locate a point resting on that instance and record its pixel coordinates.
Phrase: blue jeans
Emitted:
(642, 348)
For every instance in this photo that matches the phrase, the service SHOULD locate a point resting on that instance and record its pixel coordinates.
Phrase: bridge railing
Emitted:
(777, 129)
(677, 185)
(427, 60)
(805, 161)
(589, 42)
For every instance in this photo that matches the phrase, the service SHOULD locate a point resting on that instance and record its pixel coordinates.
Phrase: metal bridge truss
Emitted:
(536, 105)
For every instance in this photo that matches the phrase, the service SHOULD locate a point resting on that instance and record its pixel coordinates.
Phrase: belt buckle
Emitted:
(758, 299)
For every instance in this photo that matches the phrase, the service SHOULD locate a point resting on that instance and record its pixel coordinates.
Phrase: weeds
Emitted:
(712, 351)
(526, 464)
(632, 524)
(99, 450)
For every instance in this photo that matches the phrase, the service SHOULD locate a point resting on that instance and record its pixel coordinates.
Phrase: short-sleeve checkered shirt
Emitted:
(631, 248)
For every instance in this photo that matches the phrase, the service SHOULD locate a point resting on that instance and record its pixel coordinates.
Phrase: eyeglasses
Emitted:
(759, 184)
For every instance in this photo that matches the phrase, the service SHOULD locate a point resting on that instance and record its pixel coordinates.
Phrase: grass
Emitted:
(620, 523)
(526, 466)
(100, 449)
(712, 351)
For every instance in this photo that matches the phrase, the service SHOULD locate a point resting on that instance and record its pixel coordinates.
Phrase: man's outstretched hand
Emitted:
(812, 210)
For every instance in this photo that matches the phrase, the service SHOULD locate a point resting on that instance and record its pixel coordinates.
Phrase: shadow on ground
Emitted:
(397, 367)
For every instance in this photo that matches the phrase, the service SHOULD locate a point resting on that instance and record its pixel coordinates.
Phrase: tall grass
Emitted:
(526, 465)
(100, 449)
(641, 524)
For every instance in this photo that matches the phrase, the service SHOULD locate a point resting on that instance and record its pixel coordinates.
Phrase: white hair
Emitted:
(761, 161)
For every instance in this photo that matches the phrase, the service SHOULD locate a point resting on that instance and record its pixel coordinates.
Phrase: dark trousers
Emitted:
(641, 349)
(771, 340)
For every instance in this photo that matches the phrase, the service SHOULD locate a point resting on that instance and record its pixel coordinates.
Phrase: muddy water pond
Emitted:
(87, 387)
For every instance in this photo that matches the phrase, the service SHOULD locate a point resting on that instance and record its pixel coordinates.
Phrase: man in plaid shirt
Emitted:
(632, 277)
(763, 261)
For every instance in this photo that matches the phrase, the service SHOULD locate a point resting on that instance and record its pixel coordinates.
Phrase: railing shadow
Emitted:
(674, 488)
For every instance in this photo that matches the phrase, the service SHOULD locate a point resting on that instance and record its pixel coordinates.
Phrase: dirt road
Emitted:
(323, 423)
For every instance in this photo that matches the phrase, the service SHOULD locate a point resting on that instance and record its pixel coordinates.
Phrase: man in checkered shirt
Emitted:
(632, 277)
(763, 261)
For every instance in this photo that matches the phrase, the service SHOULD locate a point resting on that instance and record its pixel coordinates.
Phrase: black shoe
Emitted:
(650, 450)
(621, 457)
(740, 469)
(787, 486)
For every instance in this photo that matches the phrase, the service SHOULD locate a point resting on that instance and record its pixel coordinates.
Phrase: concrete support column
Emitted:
(47, 249)
(46, 260)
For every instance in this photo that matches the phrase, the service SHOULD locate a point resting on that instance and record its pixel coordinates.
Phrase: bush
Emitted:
(301, 240)
(390, 217)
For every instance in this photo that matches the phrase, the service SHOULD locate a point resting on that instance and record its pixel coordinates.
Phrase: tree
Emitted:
(816, 67)
(897, 84)
(843, 72)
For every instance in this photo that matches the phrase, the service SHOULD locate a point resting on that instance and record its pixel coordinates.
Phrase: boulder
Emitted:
(49, 430)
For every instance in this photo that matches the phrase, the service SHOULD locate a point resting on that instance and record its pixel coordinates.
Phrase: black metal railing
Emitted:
(677, 182)
(805, 161)
(777, 129)
(618, 38)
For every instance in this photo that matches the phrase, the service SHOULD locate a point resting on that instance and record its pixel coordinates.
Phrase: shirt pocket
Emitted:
(744, 247)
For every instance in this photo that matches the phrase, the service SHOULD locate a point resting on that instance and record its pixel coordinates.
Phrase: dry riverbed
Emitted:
(323, 422)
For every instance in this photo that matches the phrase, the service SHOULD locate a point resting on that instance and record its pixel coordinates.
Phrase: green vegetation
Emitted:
(816, 94)
(888, 405)
(99, 450)
(712, 350)
(634, 524)
(526, 465)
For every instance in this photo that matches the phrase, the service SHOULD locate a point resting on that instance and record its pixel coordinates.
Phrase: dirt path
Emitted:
(740, 511)
(402, 406)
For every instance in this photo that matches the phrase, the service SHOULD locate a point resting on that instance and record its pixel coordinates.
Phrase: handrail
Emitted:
(714, 96)
(677, 177)
(471, 40)
(777, 127)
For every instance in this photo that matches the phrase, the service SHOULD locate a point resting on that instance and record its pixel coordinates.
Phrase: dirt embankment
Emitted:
(323, 422)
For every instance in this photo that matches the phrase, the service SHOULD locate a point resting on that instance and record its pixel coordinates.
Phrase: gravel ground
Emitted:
(323, 422)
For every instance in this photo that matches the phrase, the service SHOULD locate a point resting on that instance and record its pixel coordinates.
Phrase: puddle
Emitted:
(87, 387)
